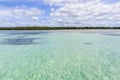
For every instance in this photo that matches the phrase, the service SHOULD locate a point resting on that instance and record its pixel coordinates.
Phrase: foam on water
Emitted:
(64, 55)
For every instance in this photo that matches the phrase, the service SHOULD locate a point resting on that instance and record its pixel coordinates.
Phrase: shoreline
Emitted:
(59, 28)
(53, 29)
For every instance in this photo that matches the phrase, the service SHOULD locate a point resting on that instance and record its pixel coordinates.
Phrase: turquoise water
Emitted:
(60, 55)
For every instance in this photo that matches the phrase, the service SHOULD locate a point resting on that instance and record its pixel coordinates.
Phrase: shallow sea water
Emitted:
(60, 55)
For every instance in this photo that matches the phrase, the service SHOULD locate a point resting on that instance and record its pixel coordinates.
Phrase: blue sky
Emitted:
(59, 13)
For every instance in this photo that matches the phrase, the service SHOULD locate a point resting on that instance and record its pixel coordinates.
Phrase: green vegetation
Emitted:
(53, 28)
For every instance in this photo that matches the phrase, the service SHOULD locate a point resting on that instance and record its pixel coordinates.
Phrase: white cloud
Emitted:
(62, 2)
(24, 11)
(35, 18)
(67, 13)
(17, 16)
(85, 12)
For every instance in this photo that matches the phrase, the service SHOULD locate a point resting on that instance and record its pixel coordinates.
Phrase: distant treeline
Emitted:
(54, 28)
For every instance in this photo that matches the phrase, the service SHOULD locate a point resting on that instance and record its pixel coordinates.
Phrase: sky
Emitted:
(79, 13)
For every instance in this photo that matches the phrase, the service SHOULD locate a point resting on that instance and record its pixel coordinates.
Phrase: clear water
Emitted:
(60, 55)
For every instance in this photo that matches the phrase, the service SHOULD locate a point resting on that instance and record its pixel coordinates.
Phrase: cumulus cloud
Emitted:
(62, 13)
(62, 2)
(85, 12)
(17, 16)
(24, 11)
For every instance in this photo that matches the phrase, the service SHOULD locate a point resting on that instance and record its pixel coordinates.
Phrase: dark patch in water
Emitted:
(21, 36)
(23, 33)
(19, 41)
(112, 34)
(26, 33)
(87, 43)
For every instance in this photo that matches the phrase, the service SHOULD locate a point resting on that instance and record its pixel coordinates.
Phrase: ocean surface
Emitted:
(60, 55)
